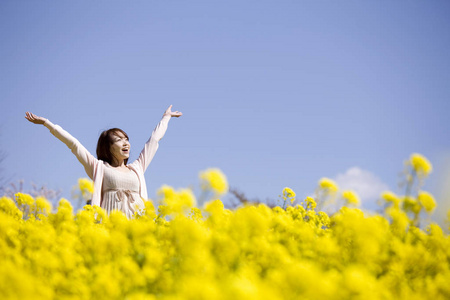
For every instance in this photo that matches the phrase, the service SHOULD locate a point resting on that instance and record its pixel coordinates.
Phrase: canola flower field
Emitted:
(175, 250)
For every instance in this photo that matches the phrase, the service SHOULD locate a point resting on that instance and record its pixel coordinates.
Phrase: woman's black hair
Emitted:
(104, 144)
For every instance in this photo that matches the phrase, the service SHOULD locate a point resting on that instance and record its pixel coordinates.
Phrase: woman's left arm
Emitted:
(152, 144)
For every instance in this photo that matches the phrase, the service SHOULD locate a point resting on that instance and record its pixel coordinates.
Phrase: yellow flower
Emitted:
(278, 209)
(251, 252)
(288, 194)
(65, 209)
(310, 203)
(411, 204)
(196, 214)
(390, 197)
(8, 206)
(328, 185)
(175, 201)
(215, 180)
(24, 199)
(86, 187)
(43, 205)
(420, 164)
(187, 198)
(399, 218)
(324, 218)
(427, 201)
(351, 197)
(149, 209)
(166, 191)
(214, 207)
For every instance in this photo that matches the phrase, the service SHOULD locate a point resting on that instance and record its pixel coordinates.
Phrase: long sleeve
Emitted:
(152, 144)
(83, 155)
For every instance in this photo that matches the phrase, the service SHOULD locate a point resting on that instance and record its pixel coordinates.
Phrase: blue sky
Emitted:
(274, 93)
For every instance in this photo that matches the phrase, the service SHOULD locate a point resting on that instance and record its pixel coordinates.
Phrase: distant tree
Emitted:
(36, 190)
(240, 198)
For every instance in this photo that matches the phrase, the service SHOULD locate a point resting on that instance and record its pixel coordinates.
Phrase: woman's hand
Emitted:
(34, 119)
(171, 113)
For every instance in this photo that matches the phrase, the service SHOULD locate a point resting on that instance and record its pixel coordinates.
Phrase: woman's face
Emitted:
(120, 149)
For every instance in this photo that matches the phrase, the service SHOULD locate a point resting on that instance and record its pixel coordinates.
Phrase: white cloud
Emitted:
(442, 188)
(366, 184)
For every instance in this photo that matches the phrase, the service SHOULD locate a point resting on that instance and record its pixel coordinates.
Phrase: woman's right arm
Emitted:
(83, 155)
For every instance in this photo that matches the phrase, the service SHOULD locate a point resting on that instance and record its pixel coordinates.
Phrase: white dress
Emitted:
(120, 191)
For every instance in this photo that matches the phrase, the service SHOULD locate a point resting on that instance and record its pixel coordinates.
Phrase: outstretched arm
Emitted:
(83, 155)
(152, 144)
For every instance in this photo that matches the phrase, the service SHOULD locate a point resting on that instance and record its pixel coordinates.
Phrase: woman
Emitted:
(117, 185)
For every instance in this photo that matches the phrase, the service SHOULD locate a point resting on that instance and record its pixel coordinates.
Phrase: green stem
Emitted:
(410, 184)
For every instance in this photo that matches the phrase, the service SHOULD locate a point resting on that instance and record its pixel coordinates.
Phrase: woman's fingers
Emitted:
(34, 119)
(30, 116)
(173, 113)
(177, 114)
(168, 110)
